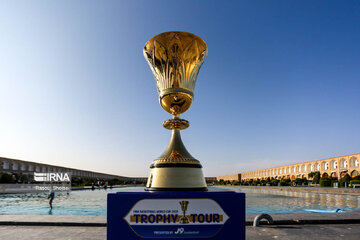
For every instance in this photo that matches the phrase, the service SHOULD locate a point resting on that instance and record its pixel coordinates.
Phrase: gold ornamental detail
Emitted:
(176, 123)
(175, 160)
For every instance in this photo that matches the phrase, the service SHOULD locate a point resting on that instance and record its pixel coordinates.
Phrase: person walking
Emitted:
(51, 197)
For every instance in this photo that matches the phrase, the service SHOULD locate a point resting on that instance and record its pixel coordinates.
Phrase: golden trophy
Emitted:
(184, 219)
(175, 59)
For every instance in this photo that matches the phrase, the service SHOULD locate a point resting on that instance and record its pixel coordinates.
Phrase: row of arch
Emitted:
(326, 165)
(13, 166)
(353, 173)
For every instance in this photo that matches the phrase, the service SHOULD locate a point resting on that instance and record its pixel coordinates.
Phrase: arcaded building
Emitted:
(231, 178)
(335, 167)
(12, 166)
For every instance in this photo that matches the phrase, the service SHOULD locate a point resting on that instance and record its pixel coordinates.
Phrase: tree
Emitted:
(346, 179)
(251, 181)
(234, 182)
(23, 178)
(312, 174)
(6, 178)
(325, 182)
(305, 182)
(263, 182)
(274, 182)
(316, 178)
(285, 182)
(298, 181)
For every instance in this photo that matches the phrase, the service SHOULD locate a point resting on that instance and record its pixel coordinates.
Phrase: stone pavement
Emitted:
(91, 227)
(310, 218)
(305, 232)
(52, 233)
(285, 232)
(53, 220)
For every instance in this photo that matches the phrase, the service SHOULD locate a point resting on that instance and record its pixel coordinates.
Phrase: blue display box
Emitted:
(214, 214)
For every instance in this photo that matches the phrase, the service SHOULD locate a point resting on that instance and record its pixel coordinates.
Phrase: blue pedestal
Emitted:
(216, 215)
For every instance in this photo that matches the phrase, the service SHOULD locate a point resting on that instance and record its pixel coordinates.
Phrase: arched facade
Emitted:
(335, 167)
(343, 163)
(310, 167)
(354, 162)
(15, 166)
(333, 164)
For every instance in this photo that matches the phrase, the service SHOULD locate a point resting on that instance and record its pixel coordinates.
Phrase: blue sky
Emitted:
(280, 84)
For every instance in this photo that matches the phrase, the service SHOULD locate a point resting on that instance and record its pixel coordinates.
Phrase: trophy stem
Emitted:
(176, 169)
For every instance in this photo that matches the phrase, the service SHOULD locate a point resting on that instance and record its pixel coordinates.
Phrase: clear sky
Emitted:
(281, 83)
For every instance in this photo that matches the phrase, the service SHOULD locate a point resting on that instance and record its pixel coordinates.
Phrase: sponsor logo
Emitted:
(180, 231)
(51, 177)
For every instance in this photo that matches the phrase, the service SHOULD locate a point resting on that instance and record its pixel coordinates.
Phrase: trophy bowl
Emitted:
(175, 59)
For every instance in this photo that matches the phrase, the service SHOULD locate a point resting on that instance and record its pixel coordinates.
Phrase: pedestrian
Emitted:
(51, 197)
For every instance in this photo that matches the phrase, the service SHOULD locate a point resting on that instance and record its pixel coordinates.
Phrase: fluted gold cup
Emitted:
(184, 205)
(175, 59)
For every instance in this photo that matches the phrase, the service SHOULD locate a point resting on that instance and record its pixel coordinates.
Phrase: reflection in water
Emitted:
(276, 201)
(77, 202)
(257, 200)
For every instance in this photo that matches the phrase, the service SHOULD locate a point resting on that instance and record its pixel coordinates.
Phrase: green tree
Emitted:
(354, 182)
(235, 182)
(325, 182)
(268, 180)
(6, 178)
(316, 178)
(346, 179)
(305, 182)
(23, 178)
(285, 182)
(251, 181)
(274, 182)
(76, 182)
(298, 181)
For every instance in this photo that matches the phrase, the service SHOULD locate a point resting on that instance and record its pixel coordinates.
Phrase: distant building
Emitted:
(232, 177)
(336, 167)
(210, 179)
(15, 166)
(138, 179)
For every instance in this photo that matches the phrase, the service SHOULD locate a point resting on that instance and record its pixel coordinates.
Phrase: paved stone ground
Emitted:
(320, 218)
(52, 233)
(39, 218)
(298, 232)
(305, 232)
(48, 227)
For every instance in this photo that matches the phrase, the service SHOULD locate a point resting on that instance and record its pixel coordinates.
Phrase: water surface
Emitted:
(88, 202)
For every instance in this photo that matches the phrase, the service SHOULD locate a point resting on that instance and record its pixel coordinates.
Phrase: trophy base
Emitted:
(176, 179)
(136, 214)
